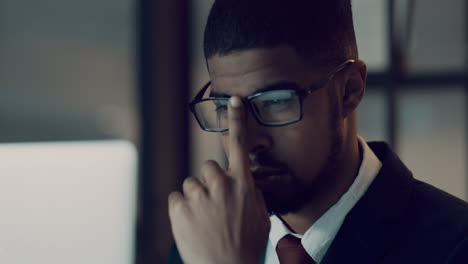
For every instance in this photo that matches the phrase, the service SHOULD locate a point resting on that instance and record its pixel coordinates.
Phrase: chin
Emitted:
(290, 199)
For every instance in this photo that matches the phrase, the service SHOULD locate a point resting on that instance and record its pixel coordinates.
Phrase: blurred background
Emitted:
(125, 69)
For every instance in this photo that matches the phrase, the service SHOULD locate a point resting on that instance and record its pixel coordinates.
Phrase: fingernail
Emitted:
(235, 102)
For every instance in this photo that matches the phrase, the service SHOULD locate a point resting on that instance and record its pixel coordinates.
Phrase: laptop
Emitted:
(68, 202)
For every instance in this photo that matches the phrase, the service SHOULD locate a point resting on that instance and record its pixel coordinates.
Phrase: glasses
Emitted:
(279, 107)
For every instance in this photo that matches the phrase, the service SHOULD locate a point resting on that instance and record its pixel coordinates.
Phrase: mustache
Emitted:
(266, 160)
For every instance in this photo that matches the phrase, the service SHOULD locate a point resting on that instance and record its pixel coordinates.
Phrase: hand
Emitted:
(223, 220)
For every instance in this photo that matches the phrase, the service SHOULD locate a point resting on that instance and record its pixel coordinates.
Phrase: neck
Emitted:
(337, 184)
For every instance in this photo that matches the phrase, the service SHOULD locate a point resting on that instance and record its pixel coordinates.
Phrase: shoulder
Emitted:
(432, 224)
(438, 212)
(436, 204)
(420, 200)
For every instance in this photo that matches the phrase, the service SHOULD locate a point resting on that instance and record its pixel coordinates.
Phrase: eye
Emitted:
(221, 108)
(277, 99)
(277, 102)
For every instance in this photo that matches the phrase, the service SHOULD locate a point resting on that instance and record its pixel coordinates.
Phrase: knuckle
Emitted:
(211, 172)
(173, 197)
(189, 180)
(198, 194)
(178, 208)
(176, 203)
(208, 166)
(218, 182)
(193, 189)
(191, 185)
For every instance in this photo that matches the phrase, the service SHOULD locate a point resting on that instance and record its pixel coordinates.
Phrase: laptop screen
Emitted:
(68, 202)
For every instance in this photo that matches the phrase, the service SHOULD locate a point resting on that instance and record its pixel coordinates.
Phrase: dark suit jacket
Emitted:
(398, 220)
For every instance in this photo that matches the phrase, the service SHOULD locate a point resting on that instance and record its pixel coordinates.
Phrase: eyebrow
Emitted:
(279, 85)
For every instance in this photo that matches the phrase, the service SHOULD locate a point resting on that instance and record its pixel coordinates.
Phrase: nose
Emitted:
(258, 138)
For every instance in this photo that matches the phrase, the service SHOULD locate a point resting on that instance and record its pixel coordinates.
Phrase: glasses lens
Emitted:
(212, 114)
(278, 107)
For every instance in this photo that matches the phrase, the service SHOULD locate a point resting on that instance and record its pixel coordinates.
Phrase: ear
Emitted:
(354, 87)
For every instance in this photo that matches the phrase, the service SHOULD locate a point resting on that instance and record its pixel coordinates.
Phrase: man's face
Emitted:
(290, 164)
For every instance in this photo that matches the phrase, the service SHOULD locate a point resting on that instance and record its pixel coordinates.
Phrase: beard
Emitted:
(293, 194)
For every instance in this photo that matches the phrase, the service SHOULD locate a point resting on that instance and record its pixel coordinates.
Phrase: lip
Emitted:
(269, 179)
(264, 173)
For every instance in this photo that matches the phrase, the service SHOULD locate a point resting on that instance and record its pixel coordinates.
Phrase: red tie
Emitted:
(291, 251)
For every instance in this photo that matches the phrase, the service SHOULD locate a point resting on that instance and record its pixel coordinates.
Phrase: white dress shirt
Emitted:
(318, 238)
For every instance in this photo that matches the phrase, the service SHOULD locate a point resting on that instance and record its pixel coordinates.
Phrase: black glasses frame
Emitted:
(302, 94)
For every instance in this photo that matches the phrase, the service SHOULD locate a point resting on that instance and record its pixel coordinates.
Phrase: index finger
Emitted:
(238, 158)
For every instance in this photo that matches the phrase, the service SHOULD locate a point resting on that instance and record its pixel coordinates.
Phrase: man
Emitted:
(301, 186)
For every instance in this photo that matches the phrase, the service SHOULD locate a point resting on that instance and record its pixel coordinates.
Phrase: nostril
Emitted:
(259, 147)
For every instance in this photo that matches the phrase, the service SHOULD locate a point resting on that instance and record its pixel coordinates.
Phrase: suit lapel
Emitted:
(373, 225)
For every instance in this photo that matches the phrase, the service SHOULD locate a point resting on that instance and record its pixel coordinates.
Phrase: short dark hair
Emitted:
(314, 28)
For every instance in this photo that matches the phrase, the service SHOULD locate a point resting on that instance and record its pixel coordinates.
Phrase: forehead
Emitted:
(242, 73)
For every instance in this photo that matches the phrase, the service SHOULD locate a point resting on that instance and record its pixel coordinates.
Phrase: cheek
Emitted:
(305, 145)
(313, 130)
(306, 140)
